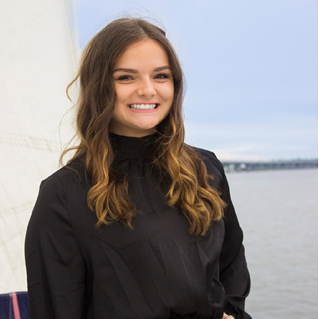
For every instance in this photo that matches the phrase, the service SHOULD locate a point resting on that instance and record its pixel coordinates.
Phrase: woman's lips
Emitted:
(143, 107)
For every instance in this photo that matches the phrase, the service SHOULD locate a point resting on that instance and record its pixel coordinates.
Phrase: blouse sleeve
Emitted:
(234, 273)
(55, 267)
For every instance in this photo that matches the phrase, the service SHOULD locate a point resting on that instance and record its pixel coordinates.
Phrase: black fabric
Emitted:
(157, 270)
(22, 298)
(6, 308)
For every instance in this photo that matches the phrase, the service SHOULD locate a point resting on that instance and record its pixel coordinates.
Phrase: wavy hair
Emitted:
(109, 197)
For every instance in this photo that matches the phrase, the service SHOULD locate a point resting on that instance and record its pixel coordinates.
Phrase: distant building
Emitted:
(257, 166)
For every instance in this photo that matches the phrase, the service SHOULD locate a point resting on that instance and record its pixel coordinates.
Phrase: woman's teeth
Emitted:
(143, 106)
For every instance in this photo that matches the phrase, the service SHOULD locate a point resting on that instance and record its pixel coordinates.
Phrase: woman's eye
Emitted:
(161, 76)
(125, 78)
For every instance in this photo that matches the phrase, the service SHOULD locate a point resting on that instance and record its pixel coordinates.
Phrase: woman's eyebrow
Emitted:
(125, 70)
(161, 68)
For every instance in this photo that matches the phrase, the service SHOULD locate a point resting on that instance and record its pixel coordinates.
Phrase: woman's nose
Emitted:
(146, 88)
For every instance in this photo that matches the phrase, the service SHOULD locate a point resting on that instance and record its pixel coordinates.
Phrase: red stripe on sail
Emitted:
(15, 305)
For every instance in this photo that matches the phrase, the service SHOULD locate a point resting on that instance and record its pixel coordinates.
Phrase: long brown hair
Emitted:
(108, 197)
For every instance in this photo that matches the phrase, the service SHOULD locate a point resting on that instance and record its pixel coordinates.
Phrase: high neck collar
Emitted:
(132, 147)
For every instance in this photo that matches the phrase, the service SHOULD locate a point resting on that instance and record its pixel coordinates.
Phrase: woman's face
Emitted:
(144, 89)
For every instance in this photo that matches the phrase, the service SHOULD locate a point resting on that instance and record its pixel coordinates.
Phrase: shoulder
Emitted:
(213, 165)
(55, 195)
(52, 218)
(61, 182)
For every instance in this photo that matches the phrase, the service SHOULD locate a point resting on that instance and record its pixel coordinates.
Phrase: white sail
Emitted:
(38, 58)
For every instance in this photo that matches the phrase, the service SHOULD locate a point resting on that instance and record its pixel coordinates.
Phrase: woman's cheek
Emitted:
(123, 92)
(167, 92)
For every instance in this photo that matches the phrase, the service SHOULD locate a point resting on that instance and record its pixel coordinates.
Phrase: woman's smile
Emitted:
(143, 107)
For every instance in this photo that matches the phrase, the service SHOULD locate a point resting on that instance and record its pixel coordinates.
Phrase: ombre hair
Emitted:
(108, 197)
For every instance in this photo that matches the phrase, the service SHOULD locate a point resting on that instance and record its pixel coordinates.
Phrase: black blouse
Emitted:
(157, 270)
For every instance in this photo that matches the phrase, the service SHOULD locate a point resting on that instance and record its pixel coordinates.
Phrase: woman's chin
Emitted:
(137, 132)
(147, 130)
(146, 127)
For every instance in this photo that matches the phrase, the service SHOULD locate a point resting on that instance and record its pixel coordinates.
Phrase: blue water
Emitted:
(278, 211)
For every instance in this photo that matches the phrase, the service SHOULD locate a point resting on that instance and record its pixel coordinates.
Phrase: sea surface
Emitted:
(278, 212)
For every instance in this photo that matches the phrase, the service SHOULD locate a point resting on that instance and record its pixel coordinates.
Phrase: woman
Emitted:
(138, 224)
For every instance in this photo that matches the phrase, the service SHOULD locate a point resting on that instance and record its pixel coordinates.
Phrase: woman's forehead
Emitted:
(146, 52)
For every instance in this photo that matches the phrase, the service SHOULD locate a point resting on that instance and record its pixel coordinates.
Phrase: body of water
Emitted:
(278, 211)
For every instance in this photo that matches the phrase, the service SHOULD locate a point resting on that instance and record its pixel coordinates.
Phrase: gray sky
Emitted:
(250, 69)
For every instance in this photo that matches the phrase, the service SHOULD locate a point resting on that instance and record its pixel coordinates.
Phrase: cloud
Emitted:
(256, 141)
(239, 154)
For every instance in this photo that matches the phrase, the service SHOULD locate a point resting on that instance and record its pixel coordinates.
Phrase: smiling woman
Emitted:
(137, 224)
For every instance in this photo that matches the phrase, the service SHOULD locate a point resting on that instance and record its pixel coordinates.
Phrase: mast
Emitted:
(38, 58)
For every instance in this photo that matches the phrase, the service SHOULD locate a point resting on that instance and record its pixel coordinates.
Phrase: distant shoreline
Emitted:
(238, 166)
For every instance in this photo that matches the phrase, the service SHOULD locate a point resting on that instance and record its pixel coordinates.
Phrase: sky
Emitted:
(251, 70)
